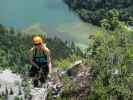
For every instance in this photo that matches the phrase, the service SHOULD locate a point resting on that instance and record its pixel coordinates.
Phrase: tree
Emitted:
(94, 11)
(2, 29)
(112, 69)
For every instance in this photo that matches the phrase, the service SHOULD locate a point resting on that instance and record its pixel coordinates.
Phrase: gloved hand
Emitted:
(49, 76)
(37, 67)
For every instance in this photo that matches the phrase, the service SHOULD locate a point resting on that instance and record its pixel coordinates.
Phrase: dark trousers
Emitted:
(41, 73)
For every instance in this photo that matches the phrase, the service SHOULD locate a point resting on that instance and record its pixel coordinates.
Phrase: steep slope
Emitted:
(76, 32)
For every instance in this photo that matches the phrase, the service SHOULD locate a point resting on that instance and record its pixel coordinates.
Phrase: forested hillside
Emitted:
(111, 53)
(97, 11)
(15, 47)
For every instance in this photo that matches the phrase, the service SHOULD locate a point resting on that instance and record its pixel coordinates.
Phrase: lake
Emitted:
(23, 13)
(51, 14)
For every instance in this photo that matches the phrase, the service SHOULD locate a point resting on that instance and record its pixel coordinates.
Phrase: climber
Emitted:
(40, 59)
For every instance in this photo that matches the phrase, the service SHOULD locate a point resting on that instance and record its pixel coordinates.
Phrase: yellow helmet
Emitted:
(37, 40)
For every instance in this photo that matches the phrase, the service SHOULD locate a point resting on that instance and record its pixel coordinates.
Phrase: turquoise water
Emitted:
(23, 13)
(50, 16)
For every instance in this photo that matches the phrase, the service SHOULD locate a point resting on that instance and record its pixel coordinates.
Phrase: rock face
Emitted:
(79, 82)
(76, 69)
(10, 85)
(7, 76)
(73, 69)
(39, 93)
